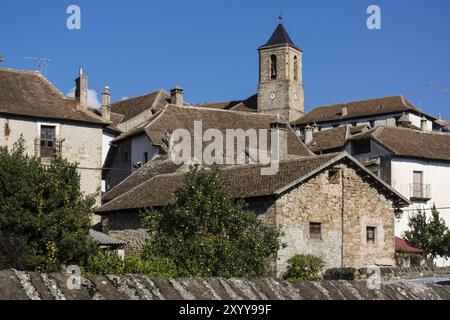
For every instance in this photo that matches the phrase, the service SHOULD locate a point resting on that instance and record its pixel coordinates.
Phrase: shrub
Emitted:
(209, 234)
(304, 268)
(109, 263)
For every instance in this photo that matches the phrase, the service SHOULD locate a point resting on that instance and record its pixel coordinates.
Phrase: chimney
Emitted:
(106, 104)
(2, 58)
(315, 128)
(423, 124)
(308, 134)
(81, 91)
(344, 110)
(279, 131)
(176, 96)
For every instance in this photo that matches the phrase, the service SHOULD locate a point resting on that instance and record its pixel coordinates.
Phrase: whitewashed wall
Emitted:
(139, 145)
(436, 174)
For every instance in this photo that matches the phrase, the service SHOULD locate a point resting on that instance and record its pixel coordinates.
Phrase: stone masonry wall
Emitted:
(345, 206)
(17, 285)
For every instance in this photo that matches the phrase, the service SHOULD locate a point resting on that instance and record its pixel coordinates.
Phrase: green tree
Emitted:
(206, 233)
(430, 234)
(44, 217)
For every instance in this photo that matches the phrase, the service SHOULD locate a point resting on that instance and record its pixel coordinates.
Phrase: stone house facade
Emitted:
(49, 122)
(328, 206)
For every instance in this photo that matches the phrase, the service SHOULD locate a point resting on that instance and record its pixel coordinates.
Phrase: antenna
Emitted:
(2, 58)
(438, 87)
(41, 63)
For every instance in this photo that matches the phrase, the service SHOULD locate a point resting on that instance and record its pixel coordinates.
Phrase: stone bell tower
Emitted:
(280, 89)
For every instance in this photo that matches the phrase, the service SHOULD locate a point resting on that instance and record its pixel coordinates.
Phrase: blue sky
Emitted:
(210, 47)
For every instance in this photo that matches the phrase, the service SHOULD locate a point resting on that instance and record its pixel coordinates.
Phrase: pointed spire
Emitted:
(280, 37)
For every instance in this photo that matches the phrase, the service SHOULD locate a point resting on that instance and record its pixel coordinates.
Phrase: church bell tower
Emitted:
(280, 88)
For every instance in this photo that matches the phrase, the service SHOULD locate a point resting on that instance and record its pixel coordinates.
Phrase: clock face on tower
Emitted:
(272, 95)
(295, 97)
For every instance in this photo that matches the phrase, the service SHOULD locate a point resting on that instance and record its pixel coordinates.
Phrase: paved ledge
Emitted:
(15, 285)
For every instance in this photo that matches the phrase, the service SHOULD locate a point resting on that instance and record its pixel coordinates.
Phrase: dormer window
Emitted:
(273, 67)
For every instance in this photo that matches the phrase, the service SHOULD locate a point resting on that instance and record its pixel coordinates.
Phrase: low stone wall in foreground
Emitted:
(16, 285)
(387, 273)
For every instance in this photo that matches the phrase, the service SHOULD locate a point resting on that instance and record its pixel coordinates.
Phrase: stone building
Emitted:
(49, 122)
(329, 206)
(414, 162)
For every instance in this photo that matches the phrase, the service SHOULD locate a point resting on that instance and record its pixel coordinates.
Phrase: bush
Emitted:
(208, 234)
(44, 216)
(108, 263)
(304, 268)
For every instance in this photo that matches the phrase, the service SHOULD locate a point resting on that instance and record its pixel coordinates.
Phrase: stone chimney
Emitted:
(344, 110)
(279, 147)
(315, 128)
(81, 91)
(106, 104)
(176, 96)
(308, 134)
(423, 124)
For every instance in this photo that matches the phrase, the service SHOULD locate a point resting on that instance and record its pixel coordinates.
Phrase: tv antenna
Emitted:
(41, 63)
(438, 87)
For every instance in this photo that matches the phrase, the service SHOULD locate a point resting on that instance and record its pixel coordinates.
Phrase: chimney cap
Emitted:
(177, 88)
(106, 90)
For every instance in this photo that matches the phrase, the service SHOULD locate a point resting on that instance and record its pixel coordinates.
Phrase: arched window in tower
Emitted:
(273, 66)
(295, 68)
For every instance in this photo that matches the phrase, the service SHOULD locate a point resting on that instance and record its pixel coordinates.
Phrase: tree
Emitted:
(431, 235)
(206, 233)
(44, 217)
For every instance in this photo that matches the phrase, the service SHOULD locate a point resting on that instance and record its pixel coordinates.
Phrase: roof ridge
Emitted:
(135, 97)
(354, 101)
(221, 110)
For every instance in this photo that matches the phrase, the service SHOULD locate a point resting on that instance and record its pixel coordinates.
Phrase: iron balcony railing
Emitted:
(420, 191)
(43, 149)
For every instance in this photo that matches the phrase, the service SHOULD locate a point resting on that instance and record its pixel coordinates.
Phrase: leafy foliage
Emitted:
(304, 268)
(206, 233)
(430, 234)
(110, 264)
(44, 216)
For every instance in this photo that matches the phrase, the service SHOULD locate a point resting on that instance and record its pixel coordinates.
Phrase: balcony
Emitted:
(47, 149)
(420, 192)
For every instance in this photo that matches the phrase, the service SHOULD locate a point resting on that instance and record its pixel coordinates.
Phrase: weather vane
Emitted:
(280, 17)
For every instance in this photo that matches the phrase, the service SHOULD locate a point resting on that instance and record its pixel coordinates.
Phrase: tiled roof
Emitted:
(159, 165)
(405, 142)
(131, 107)
(172, 117)
(27, 93)
(104, 239)
(403, 246)
(329, 140)
(247, 105)
(244, 181)
(359, 109)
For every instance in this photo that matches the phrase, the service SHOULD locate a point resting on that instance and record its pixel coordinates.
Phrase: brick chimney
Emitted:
(308, 134)
(176, 96)
(106, 104)
(279, 131)
(81, 91)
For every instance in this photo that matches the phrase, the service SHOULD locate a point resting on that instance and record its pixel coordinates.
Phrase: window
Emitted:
(145, 157)
(273, 66)
(315, 231)
(295, 68)
(47, 141)
(333, 176)
(371, 234)
(360, 147)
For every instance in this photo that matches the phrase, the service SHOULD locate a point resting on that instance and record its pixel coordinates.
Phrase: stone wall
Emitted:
(17, 285)
(345, 205)
(387, 273)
